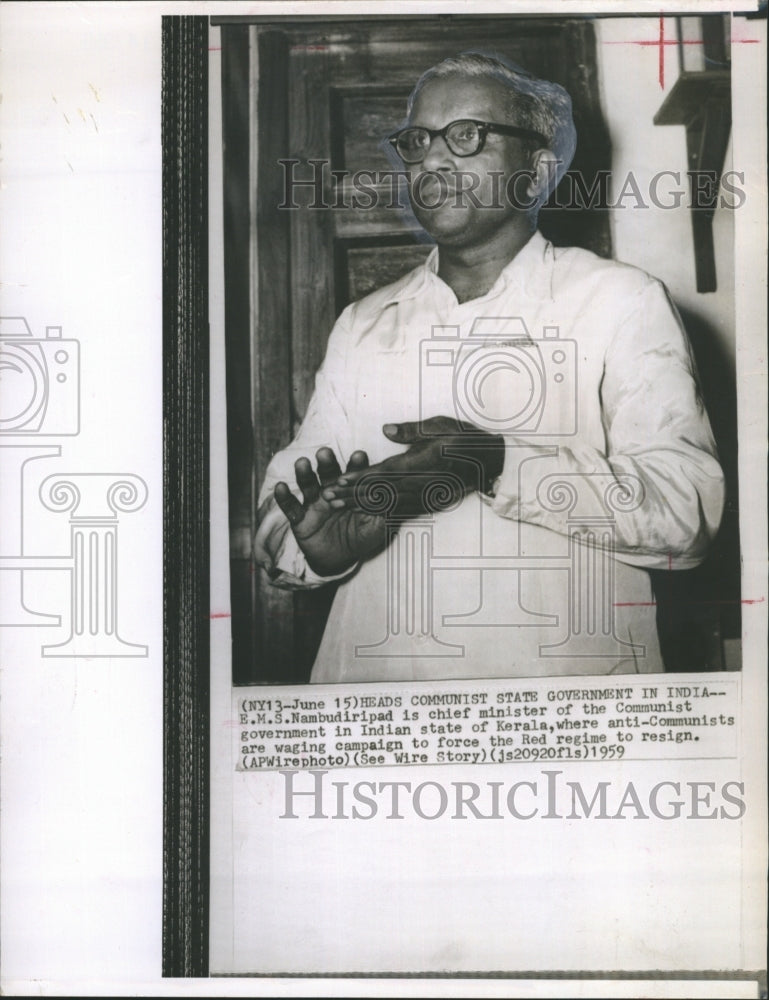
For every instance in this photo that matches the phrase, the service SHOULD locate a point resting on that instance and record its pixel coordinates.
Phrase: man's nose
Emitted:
(438, 155)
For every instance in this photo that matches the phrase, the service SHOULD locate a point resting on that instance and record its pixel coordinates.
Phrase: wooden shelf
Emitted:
(691, 94)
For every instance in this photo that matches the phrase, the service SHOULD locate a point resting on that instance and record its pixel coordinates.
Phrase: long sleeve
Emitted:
(325, 424)
(658, 478)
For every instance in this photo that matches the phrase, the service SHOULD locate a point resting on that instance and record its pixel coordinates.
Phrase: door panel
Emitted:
(330, 91)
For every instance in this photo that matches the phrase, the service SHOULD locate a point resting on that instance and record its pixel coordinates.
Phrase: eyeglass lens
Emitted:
(462, 137)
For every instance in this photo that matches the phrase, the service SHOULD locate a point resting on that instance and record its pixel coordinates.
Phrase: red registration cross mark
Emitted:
(660, 42)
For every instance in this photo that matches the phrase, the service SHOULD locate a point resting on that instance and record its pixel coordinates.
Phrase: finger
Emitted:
(406, 433)
(358, 462)
(338, 491)
(358, 483)
(348, 485)
(394, 465)
(307, 481)
(288, 503)
(339, 503)
(353, 474)
(364, 491)
(328, 467)
(342, 488)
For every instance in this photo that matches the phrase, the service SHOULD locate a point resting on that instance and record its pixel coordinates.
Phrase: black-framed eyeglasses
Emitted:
(464, 137)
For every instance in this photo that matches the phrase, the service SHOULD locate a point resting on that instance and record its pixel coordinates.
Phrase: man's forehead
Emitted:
(459, 96)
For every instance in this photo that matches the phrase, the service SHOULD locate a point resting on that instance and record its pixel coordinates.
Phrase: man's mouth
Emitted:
(433, 189)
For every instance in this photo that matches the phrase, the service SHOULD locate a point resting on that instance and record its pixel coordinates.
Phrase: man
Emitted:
(520, 426)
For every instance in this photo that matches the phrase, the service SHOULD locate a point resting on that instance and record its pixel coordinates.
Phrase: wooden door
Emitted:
(328, 91)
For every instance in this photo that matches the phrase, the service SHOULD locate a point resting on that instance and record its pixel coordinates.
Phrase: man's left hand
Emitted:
(441, 450)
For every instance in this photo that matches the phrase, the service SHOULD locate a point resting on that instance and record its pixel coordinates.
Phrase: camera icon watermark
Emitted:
(444, 580)
(500, 379)
(39, 380)
(40, 399)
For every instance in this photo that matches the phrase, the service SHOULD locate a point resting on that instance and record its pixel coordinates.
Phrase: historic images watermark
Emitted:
(545, 795)
(314, 184)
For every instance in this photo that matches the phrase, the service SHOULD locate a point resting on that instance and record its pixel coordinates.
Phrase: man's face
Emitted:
(457, 220)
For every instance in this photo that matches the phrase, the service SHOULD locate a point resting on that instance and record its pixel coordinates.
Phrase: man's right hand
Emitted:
(331, 539)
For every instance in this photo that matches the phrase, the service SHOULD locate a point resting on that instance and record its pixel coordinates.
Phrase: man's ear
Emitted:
(544, 167)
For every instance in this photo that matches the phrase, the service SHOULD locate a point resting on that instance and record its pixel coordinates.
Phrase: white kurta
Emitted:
(610, 469)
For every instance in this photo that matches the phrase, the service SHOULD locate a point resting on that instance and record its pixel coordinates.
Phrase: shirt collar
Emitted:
(530, 270)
